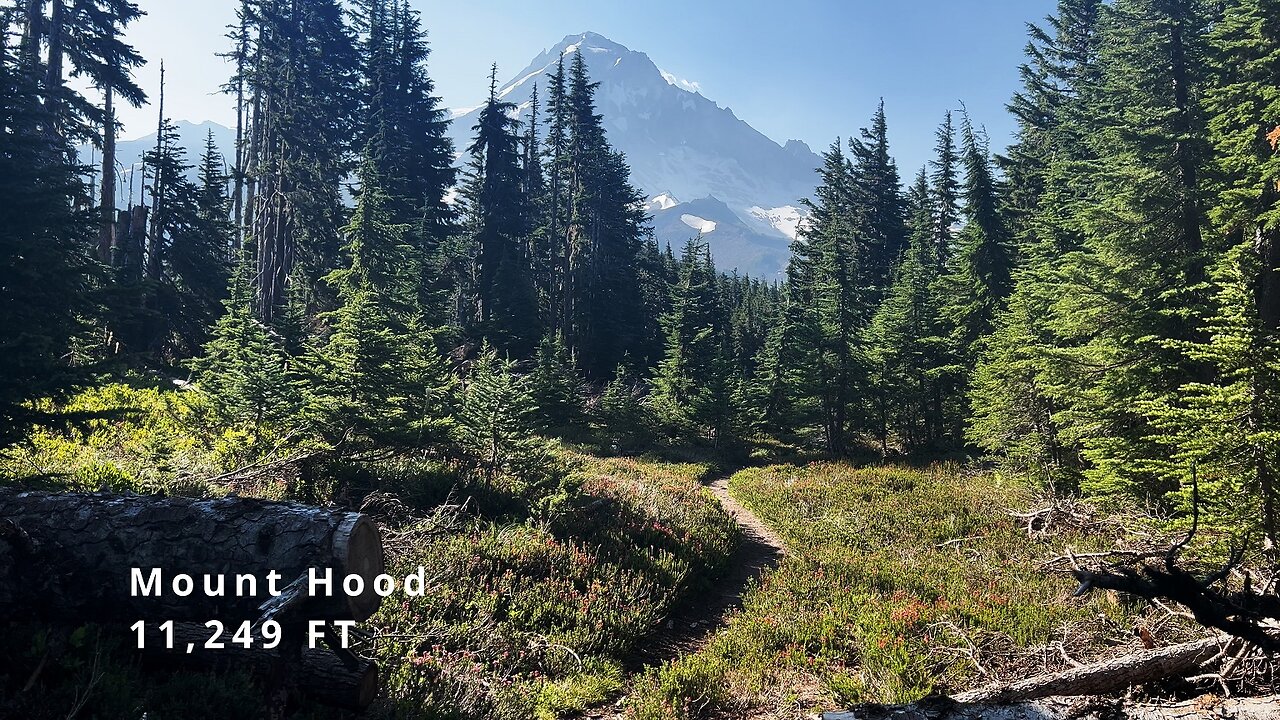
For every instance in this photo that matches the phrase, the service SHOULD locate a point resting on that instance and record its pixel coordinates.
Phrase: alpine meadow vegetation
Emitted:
(484, 348)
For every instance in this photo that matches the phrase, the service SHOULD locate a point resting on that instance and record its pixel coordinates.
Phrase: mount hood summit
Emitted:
(703, 169)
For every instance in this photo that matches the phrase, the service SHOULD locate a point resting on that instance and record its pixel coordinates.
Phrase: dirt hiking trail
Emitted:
(693, 623)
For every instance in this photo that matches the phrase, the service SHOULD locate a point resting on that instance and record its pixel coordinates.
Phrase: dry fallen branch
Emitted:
(958, 541)
(970, 653)
(1102, 678)
(936, 708)
(1242, 613)
(1059, 512)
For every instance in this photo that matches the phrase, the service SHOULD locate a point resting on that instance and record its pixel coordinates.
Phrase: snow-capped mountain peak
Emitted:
(680, 144)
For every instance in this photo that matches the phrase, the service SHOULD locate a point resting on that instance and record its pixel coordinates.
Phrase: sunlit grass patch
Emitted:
(897, 582)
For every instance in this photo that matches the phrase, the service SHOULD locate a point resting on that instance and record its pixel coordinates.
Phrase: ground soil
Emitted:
(693, 623)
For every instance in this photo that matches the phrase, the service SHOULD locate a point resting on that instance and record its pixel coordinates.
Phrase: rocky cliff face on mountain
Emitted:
(690, 156)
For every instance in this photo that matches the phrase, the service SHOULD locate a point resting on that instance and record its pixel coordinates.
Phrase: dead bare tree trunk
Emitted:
(107, 198)
(1077, 693)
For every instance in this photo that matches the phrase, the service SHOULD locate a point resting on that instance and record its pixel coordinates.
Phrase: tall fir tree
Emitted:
(944, 181)
(880, 207)
(303, 84)
(603, 236)
(403, 131)
(1135, 291)
(46, 244)
(693, 387)
(1050, 171)
(833, 250)
(1226, 422)
(980, 277)
(909, 349)
(500, 222)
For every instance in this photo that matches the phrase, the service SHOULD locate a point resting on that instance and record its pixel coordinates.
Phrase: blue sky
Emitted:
(806, 69)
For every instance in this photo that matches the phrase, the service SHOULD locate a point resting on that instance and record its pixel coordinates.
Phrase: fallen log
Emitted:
(1069, 694)
(69, 556)
(317, 673)
(1102, 678)
(1206, 708)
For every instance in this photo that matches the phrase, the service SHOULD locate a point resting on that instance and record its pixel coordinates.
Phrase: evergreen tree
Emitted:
(167, 311)
(980, 278)
(246, 369)
(1047, 168)
(554, 383)
(377, 377)
(1014, 408)
(404, 129)
(838, 311)
(604, 233)
(500, 222)
(213, 205)
(620, 410)
(553, 248)
(785, 390)
(945, 183)
(908, 348)
(1226, 429)
(82, 38)
(496, 423)
(1051, 172)
(692, 385)
(880, 208)
(303, 81)
(1135, 291)
(46, 271)
(1226, 423)
(98, 52)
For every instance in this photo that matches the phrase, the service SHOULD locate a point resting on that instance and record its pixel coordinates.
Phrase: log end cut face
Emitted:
(358, 549)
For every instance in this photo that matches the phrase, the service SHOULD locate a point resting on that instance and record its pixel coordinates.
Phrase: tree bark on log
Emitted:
(317, 673)
(69, 556)
(1103, 678)
(1206, 708)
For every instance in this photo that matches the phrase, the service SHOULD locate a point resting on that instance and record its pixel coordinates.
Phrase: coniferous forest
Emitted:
(1069, 346)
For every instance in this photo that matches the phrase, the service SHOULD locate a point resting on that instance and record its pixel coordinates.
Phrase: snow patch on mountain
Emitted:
(508, 89)
(786, 219)
(702, 225)
(662, 202)
(686, 85)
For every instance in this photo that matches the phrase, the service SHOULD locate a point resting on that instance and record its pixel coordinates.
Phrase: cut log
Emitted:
(69, 556)
(317, 673)
(1102, 678)
(1206, 708)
